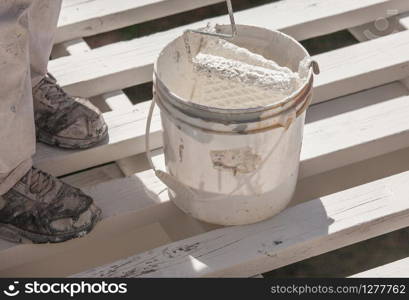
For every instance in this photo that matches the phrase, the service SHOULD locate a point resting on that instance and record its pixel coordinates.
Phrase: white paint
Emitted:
(229, 76)
(229, 84)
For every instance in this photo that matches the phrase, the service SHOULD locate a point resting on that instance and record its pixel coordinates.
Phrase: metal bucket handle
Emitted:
(170, 181)
(173, 183)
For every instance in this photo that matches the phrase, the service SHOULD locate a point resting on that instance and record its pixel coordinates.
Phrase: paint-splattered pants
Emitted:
(27, 29)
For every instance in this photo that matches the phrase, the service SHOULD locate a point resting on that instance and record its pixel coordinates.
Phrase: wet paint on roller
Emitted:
(230, 77)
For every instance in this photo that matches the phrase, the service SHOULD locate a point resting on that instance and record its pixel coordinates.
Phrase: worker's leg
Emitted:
(34, 205)
(61, 120)
(43, 18)
(17, 133)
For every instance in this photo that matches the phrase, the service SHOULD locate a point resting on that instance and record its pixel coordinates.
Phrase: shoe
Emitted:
(42, 209)
(65, 121)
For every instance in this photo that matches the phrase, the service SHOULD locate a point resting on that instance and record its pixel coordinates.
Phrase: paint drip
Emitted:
(231, 77)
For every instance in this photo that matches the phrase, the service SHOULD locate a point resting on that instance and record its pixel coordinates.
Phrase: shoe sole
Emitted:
(68, 143)
(14, 234)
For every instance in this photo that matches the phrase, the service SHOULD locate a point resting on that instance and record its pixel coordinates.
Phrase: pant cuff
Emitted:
(14, 176)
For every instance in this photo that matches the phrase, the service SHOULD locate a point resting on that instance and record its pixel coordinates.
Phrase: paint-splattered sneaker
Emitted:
(63, 120)
(42, 209)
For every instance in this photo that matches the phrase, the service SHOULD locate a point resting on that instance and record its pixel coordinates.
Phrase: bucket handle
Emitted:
(170, 181)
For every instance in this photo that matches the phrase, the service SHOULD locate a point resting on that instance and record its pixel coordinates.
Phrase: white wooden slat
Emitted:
(126, 135)
(344, 71)
(132, 164)
(70, 257)
(404, 20)
(302, 231)
(362, 66)
(355, 128)
(127, 200)
(303, 19)
(394, 23)
(94, 176)
(119, 193)
(404, 23)
(133, 192)
(384, 25)
(399, 268)
(359, 173)
(128, 204)
(328, 139)
(117, 100)
(80, 18)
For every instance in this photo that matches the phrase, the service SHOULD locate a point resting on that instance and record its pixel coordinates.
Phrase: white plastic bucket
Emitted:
(230, 166)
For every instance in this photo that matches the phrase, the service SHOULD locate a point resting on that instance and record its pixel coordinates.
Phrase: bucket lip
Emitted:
(218, 110)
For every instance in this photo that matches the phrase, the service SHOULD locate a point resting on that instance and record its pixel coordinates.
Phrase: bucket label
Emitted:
(241, 160)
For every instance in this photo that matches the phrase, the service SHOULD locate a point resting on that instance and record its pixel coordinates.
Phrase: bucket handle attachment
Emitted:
(315, 67)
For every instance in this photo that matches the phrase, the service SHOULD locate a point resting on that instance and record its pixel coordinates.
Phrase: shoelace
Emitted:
(52, 90)
(39, 182)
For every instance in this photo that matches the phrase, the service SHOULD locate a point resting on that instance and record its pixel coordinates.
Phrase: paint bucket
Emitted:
(230, 166)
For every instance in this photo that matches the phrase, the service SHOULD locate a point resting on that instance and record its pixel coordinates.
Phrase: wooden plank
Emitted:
(302, 19)
(133, 164)
(115, 101)
(392, 23)
(404, 20)
(302, 231)
(344, 71)
(94, 176)
(399, 268)
(404, 23)
(388, 23)
(128, 205)
(132, 202)
(100, 247)
(362, 66)
(176, 223)
(126, 135)
(142, 199)
(328, 142)
(80, 18)
(355, 128)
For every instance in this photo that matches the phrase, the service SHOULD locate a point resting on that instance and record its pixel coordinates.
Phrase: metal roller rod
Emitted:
(221, 35)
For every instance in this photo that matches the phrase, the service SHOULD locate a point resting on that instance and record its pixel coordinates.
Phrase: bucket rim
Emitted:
(188, 104)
